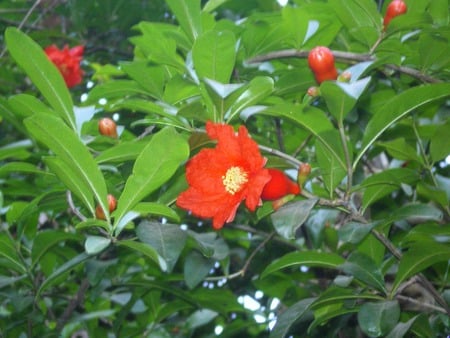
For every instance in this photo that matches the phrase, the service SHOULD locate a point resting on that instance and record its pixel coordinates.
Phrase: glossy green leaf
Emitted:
(361, 18)
(96, 244)
(156, 209)
(259, 88)
(158, 47)
(417, 213)
(145, 249)
(321, 259)
(288, 318)
(45, 76)
(328, 312)
(398, 107)
(401, 150)
(291, 216)
(335, 295)
(436, 194)
(151, 78)
(72, 180)
(157, 162)
(25, 105)
(341, 97)
(196, 268)
(211, 5)
(167, 239)
(45, 240)
(419, 256)
(401, 329)
(295, 24)
(354, 232)
(124, 151)
(112, 90)
(67, 146)
(381, 184)
(21, 167)
(214, 55)
(427, 232)
(188, 16)
(364, 268)
(378, 319)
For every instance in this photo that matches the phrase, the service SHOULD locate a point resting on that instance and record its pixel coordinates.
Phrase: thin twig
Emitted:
(343, 57)
(421, 304)
(77, 300)
(73, 208)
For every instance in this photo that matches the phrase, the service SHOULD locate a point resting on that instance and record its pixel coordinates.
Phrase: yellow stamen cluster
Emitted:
(233, 180)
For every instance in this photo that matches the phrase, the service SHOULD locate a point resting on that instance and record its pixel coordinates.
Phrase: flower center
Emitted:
(233, 180)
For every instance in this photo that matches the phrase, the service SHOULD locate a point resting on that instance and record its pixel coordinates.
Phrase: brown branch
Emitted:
(346, 57)
(76, 300)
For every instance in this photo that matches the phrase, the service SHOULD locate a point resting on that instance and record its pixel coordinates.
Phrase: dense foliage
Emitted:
(93, 242)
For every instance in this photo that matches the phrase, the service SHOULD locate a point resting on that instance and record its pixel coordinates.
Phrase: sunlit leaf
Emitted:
(45, 76)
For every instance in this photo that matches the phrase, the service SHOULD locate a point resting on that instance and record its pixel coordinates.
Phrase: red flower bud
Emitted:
(279, 186)
(395, 8)
(112, 205)
(321, 62)
(107, 127)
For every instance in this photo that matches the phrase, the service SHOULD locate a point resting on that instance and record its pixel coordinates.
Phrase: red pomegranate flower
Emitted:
(222, 177)
(68, 62)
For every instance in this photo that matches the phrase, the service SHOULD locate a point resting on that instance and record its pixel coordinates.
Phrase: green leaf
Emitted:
(377, 319)
(341, 97)
(432, 193)
(321, 259)
(427, 232)
(211, 5)
(291, 216)
(45, 240)
(72, 180)
(20, 167)
(361, 18)
(167, 239)
(45, 76)
(381, 184)
(96, 244)
(157, 162)
(196, 268)
(67, 146)
(288, 318)
(335, 295)
(401, 329)
(117, 89)
(15, 150)
(331, 159)
(9, 255)
(200, 318)
(124, 151)
(354, 232)
(417, 213)
(145, 249)
(69, 265)
(419, 256)
(401, 150)
(364, 268)
(214, 55)
(151, 78)
(259, 88)
(188, 16)
(26, 105)
(398, 107)
(440, 143)
(156, 209)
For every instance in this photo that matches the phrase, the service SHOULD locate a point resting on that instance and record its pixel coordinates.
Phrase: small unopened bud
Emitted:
(313, 91)
(345, 77)
(303, 171)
